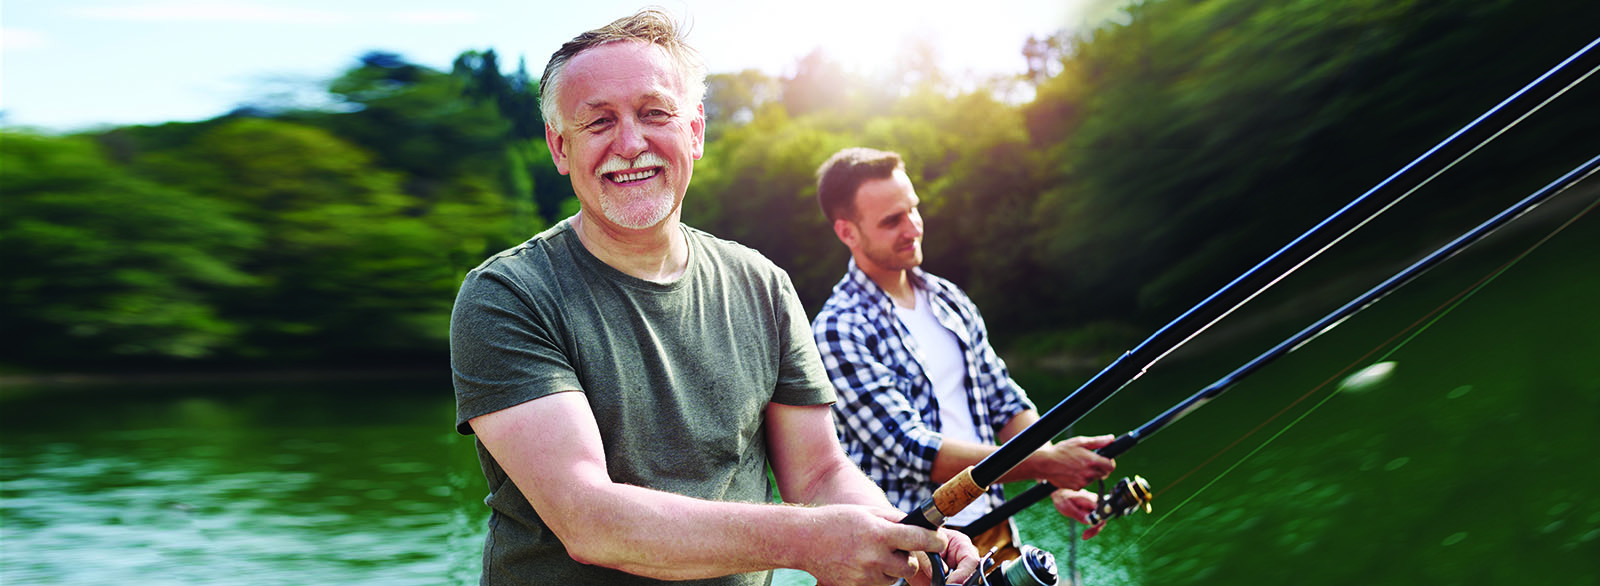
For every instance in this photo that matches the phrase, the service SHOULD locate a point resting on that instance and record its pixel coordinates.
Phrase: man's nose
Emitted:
(630, 142)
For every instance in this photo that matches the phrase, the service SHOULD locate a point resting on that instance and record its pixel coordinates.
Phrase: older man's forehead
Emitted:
(653, 96)
(618, 62)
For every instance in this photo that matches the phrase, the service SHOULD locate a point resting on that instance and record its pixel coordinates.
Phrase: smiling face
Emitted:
(885, 236)
(630, 136)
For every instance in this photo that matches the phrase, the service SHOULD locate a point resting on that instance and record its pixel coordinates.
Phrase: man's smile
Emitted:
(624, 178)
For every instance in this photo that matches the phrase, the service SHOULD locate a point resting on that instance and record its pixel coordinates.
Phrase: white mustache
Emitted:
(646, 159)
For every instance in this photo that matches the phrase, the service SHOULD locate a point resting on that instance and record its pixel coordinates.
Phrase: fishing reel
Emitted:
(1035, 567)
(1125, 498)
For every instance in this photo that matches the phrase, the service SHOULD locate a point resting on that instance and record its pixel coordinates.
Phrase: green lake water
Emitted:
(1474, 463)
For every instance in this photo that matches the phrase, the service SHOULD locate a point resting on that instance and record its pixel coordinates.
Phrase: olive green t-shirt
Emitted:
(678, 375)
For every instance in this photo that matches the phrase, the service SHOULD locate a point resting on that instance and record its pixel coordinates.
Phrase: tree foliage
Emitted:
(305, 236)
(99, 262)
(1150, 158)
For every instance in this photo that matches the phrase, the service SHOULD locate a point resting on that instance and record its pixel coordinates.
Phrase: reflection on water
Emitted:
(1471, 463)
(231, 487)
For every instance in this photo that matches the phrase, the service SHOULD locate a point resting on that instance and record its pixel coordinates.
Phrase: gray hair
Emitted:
(650, 25)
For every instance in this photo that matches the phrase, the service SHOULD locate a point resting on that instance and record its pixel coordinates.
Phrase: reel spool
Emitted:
(1126, 497)
(1035, 567)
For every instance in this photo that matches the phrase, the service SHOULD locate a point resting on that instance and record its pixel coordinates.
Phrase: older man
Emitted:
(630, 379)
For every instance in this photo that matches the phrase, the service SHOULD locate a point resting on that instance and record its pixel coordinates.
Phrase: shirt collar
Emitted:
(868, 291)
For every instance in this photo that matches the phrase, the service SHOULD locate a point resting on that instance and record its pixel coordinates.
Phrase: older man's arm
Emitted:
(811, 468)
(551, 448)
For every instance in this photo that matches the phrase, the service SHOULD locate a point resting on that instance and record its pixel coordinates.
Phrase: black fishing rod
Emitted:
(1130, 492)
(955, 494)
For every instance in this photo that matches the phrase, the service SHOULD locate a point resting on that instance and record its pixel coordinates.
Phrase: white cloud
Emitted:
(210, 11)
(17, 39)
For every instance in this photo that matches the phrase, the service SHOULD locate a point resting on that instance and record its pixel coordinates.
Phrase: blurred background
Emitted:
(231, 233)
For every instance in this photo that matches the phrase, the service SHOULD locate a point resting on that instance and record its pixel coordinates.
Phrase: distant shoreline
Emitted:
(250, 376)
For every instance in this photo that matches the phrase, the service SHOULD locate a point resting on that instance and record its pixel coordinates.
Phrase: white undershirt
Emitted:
(945, 366)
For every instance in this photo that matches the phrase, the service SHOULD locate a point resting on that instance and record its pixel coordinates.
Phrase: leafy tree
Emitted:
(1156, 156)
(820, 84)
(757, 185)
(99, 263)
(1258, 116)
(347, 260)
(516, 96)
(455, 135)
(416, 121)
(732, 99)
(457, 141)
(979, 196)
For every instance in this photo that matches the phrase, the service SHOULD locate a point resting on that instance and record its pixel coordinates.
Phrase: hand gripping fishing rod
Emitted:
(955, 494)
(1129, 440)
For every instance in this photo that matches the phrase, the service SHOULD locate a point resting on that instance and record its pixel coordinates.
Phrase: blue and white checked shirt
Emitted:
(887, 415)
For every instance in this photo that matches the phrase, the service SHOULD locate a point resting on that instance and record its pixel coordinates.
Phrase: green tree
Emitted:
(99, 263)
(732, 99)
(348, 261)
(515, 96)
(1194, 138)
(419, 121)
(458, 135)
(757, 186)
(1162, 153)
(457, 142)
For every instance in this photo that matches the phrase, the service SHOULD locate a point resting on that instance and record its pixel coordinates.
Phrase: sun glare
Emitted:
(874, 36)
(868, 42)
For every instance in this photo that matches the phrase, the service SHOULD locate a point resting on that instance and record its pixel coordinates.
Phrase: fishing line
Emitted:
(1421, 325)
(956, 493)
(1385, 208)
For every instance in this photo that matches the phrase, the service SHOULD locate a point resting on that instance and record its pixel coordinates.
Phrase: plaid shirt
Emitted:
(887, 415)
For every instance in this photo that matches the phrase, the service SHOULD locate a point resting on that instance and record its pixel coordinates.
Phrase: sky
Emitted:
(71, 65)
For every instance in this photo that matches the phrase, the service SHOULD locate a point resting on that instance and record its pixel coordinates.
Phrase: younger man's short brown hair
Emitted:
(845, 171)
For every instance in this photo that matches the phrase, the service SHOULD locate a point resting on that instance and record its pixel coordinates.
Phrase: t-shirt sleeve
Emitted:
(503, 351)
(801, 377)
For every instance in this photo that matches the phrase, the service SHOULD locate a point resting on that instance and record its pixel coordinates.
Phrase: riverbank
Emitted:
(10, 383)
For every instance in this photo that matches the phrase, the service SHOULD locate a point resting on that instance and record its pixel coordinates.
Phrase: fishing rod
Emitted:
(955, 494)
(1130, 494)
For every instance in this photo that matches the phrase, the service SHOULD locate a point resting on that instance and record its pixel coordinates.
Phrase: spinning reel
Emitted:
(1037, 567)
(1125, 498)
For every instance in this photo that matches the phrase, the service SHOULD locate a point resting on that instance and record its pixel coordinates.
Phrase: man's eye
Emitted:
(597, 124)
